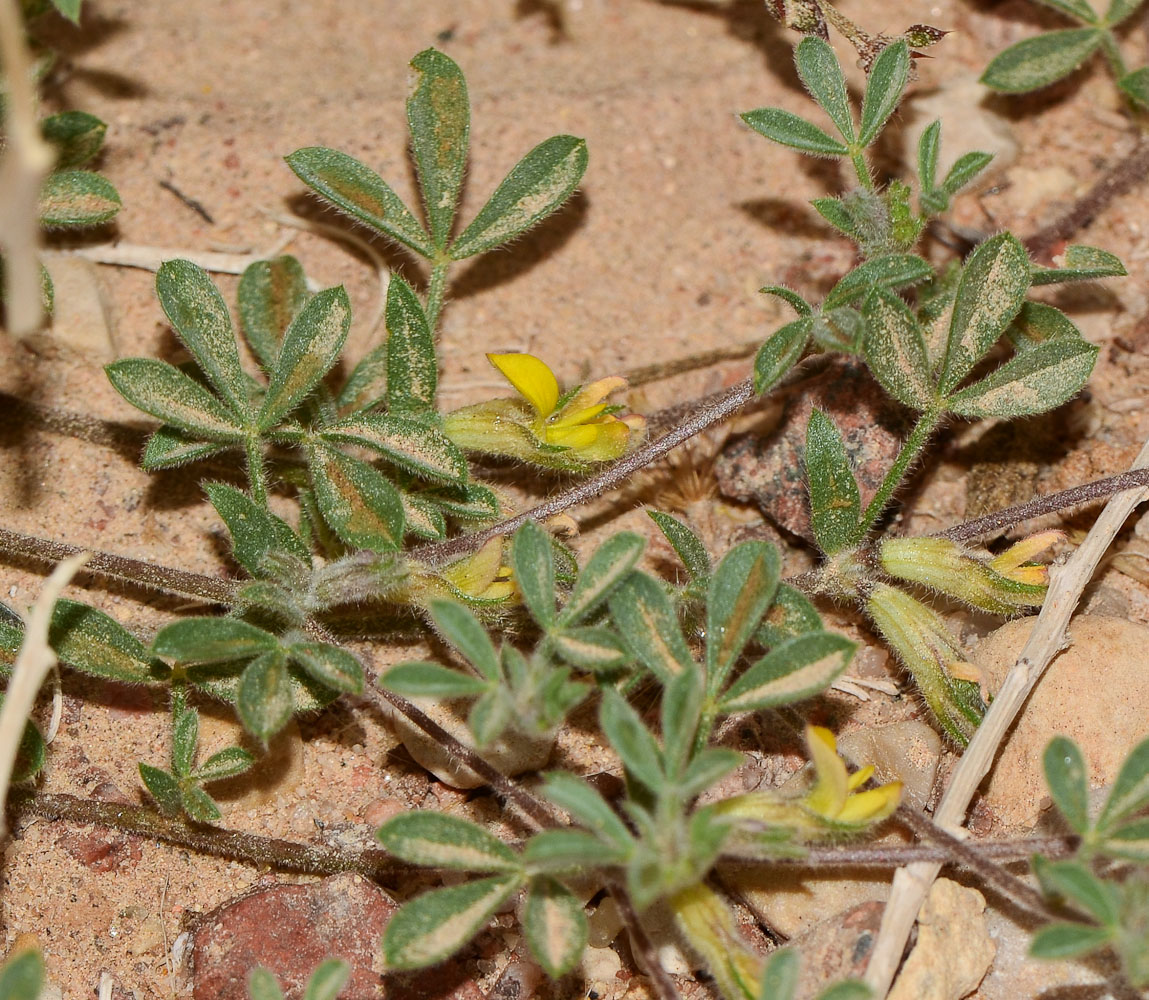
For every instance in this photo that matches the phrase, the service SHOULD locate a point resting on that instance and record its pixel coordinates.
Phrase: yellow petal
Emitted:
(860, 777)
(1023, 552)
(474, 574)
(594, 393)
(578, 437)
(535, 382)
(871, 806)
(569, 417)
(831, 785)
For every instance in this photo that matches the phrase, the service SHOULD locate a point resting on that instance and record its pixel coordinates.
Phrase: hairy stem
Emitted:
(436, 289)
(911, 449)
(1113, 54)
(164, 578)
(709, 411)
(642, 946)
(256, 471)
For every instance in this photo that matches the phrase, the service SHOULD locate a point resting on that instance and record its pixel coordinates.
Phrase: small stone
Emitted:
(770, 470)
(519, 980)
(954, 949)
(99, 849)
(513, 753)
(379, 811)
(601, 965)
(149, 936)
(837, 948)
(900, 751)
(1096, 692)
(605, 923)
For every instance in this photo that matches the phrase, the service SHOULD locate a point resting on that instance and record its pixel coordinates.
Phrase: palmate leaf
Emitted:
(1035, 381)
(439, 119)
(437, 924)
(896, 350)
(171, 396)
(255, 531)
(790, 130)
(793, 671)
(537, 186)
(412, 367)
(1119, 10)
(555, 925)
(440, 841)
(360, 192)
(1040, 61)
(311, 346)
(409, 444)
(884, 89)
(271, 294)
(358, 502)
(835, 502)
(741, 590)
(646, 619)
(822, 76)
(610, 564)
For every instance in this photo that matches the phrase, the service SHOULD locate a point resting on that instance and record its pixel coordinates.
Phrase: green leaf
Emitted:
(271, 294)
(604, 571)
(555, 925)
(409, 444)
(686, 544)
(1068, 940)
(790, 130)
(789, 616)
(990, 293)
(439, 118)
(430, 680)
(780, 352)
(1130, 841)
(31, 753)
(262, 985)
(884, 89)
(795, 670)
(71, 10)
(333, 667)
(76, 135)
(571, 851)
(199, 806)
(255, 531)
(463, 631)
(587, 807)
(264, 700)
(359, 503)
(1136, 85)
(929, 145)
(412, 367)
(211, 640)
(1039, 61)
(534, 571)
(327, 980)
(646, 619)
(77, 198)
(1130, 791)
(892, 271)
(168, 448)
(366, 386)
(1038, 323)
(1078, 886)
(1081, 264)
(22, 975)
(360, 192)
(631, 740)
(590, 648)
(711, 765)
(740, 591)
(835, 503)
(437, 924)
(896, 350)
(489, 716)
(1078, 9)
(200, 319)
(966, 167)
(93, 643)
(780, 975)
(681, 710)
(166, 393)
(790, 297)
(310, 348)
(227, 763)
(185, 739)
(423, 518)
(162, 787)
(835, 212)
(537, 186)
(440, 841)
(1037, 380)
(822, 76)
(1119, 10)
(466, 502)
(1065, 774)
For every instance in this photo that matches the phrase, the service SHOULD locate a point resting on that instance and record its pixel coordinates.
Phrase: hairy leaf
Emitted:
(793, 671)
(463, 631)
(741, 590)
(790, 130)
(171, 396)
(254, 530)
(534, 569)
(412, 367)
(1037, 380)
(631, 740)
(211, 640)
(430, 680)
(409, 444)
(271, 295)
(93, 643)
(440, 841)
(77, 198)
(332, 666)
(555, 925)
(76, 135)
(1041, 60)
(1065, 774)
(835, 503)
(646, 619)
(686, 544)
(264, 700)
(822, 76)
(896, 350)
(359, 503)
(887, 82)
(780, 352)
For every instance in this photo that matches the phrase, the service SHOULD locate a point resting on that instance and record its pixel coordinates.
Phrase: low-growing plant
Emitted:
(379, 515)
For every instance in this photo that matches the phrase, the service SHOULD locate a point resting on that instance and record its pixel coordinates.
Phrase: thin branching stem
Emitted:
(436, 290)
(642, 946)
(909, 453)
(164, 578)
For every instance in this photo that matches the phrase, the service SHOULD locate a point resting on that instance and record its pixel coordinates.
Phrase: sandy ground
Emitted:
(683, 215)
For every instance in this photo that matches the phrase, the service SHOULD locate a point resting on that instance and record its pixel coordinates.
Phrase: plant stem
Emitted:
(1113, 53)
(256, 471)
(642, 946)
(911, 449)
(172, 581)
(862, 169)
(710, 411)
(436, 289)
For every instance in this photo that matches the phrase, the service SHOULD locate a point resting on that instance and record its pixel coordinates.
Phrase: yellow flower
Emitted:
(565, 432)
(1014, 563)
(835, 794)
(480, 579)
